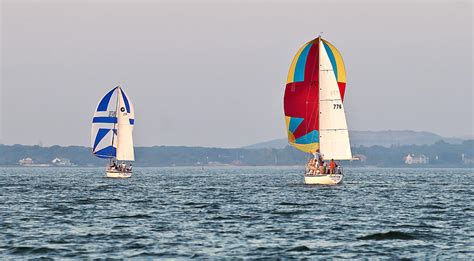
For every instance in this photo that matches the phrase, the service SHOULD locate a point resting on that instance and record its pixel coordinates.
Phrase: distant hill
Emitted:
(372, 138)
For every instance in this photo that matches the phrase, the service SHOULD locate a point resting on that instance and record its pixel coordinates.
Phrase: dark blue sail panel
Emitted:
(125, 100)
(104, 120)
(107, 152)
(100, 135)
(104, 103)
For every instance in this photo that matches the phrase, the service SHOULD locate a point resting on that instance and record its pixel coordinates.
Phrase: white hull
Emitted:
(330, 179)
(118, 175)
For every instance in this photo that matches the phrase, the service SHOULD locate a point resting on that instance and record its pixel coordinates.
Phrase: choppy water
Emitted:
(235, 212)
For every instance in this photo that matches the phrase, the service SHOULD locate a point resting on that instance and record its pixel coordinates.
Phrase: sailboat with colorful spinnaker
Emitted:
(314, 110)
(111, 137)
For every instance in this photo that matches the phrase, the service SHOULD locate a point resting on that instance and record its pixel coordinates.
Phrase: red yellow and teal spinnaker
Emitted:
(302, 93)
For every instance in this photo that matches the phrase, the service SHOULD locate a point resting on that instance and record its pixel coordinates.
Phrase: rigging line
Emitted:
(319, 91)
(307, 96)
(309, 91)
(330, 100)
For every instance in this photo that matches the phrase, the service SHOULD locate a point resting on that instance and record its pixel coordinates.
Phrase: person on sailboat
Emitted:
(317, 156)
(310, 166)
(122, 166)
(332, 166)
(113, 165)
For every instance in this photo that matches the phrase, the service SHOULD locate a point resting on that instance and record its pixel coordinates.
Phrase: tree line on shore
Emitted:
(440, 154)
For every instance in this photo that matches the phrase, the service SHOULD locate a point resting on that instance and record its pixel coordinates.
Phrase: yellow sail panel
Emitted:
(309, 148)
(291, 72)
(291, 137)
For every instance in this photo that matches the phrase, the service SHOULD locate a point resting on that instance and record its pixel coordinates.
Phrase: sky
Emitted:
(213, 73)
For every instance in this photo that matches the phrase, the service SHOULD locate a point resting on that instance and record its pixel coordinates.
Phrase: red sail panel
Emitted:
(342, 89)
(301, 102)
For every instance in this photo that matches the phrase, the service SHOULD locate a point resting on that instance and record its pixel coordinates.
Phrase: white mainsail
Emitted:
(124, 129)
(333, 132)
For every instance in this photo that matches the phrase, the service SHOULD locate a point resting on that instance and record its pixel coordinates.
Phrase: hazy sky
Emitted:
(213, 73)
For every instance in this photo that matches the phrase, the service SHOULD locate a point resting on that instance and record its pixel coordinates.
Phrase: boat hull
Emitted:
(330, 179)
(118, 174)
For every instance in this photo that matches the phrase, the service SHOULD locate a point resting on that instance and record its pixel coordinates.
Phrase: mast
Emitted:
(116, 109)
(319, 89)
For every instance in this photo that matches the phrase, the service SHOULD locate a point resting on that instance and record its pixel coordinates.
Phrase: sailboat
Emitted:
(314, 109)
(111, 136)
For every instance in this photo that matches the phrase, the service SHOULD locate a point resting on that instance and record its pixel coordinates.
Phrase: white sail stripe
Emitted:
(105, 142)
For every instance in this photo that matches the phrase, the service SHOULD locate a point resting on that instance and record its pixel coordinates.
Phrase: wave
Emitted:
(288, 213)
(141, 201)
(33, 250)
(420, 226)
(149, 254)
(295, 204)
(93, 200)
(202, 205)
(431, 206)
(299, 249)
(130, 216)
(391, 235)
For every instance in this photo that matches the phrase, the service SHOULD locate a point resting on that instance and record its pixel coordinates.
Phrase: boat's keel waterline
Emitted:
(118, 175)
(329, 179)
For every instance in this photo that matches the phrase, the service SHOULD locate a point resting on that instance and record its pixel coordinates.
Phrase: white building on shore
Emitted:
(411, 159)
(26, 161)
(63, 162)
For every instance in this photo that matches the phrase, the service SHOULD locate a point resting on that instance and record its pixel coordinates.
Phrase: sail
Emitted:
(103, 134)
(304, 91)
(334, 135)
(125, 122)
(301, 99)
(106, 123)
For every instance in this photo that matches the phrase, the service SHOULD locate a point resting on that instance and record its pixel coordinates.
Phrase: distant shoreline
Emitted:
(437, 155)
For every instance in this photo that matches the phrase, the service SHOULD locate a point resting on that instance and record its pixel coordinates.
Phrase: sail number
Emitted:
(337, 106)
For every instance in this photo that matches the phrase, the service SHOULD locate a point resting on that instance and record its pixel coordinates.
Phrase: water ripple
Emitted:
(235, 213)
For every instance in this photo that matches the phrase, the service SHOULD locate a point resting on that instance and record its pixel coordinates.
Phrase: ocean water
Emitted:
(182, 213)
